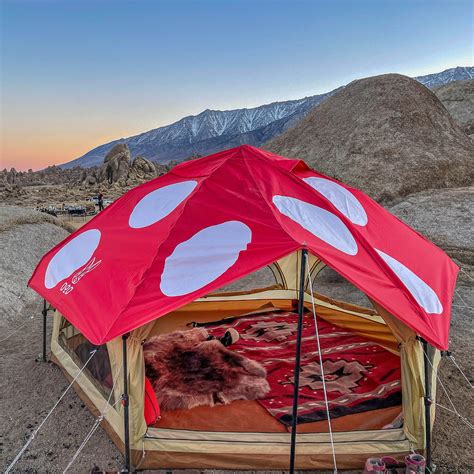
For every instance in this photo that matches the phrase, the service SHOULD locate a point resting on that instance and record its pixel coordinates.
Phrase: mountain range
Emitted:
(214, 130)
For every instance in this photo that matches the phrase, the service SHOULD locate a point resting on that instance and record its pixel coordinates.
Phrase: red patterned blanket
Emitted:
(360, 375)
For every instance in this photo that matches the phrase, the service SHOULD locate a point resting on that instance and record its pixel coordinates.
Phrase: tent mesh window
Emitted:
(328, 282)
(266, 278)
(79, 349)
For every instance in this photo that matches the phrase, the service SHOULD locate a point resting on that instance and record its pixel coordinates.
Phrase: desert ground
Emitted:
(29, 388)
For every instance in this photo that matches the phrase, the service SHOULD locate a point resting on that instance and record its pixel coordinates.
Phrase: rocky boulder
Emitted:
(117, 164)
(11, 190)
(11, 176)
(89, 180)
(142, 167)
(25, 236)
(387, 135)
(119, 171)
(458, 98)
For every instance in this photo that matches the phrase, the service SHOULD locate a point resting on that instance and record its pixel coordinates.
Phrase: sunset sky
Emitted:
(76, 74)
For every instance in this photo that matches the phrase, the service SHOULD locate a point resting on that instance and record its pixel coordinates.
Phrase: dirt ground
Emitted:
(28, 390)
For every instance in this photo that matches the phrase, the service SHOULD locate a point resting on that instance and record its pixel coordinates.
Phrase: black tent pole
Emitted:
(428, 403)
(125, 402)
(45, 313)
(294, 419)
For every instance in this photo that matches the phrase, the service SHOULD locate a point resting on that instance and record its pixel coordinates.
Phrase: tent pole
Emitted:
(45, 313)
(125, 402)
(294, 419)
(428, 403)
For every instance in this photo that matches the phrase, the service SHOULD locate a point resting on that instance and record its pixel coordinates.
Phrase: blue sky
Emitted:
(78, 73)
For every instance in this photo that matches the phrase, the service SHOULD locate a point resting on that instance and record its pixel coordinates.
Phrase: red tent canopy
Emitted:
(213, 220)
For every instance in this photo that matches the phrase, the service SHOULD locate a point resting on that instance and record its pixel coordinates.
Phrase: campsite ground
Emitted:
(29, 389)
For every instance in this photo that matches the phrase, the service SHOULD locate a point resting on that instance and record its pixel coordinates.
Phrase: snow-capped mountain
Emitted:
(449, 75)
(210, 131)
(214, 130)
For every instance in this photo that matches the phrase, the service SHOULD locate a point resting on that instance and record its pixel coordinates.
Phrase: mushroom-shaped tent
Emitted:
(210, 221)
(213, 220)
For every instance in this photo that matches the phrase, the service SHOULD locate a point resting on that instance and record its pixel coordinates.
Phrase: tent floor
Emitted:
(250, 417)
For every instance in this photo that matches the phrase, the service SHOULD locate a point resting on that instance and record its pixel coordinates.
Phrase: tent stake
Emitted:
(125, 402)
(294, 419)
(43, 357)
(428, 403)
(45, 313)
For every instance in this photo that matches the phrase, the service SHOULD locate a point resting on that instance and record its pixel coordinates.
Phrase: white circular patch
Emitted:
(159, 203)
(76, 253)
(342, 199)
(424, 295)
(323, 224)
(204, 257)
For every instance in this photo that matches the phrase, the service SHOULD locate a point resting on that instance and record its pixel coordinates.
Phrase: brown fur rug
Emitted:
(187, 370)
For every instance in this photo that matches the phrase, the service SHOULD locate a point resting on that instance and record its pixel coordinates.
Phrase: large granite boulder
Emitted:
(117, 164)
(141, 167)
(25, 236)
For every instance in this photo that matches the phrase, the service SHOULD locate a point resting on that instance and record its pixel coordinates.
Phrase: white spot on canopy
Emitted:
(159, 203)
(76, 253)
(207, 255)
(342, 199)
(323, 224)
(424, 295)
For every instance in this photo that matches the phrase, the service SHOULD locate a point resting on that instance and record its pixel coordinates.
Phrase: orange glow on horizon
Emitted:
(22, 158)
(38, 142)
(42, 150)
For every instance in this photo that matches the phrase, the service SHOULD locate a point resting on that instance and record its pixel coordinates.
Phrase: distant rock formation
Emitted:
(141, 167)
(117, 163)
(14, 184)
(387, 135)
(49, 175)
(458, 98)
(119, 170)
(56, 186)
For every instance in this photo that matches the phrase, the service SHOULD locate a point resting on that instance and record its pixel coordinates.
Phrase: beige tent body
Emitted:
(155, 447)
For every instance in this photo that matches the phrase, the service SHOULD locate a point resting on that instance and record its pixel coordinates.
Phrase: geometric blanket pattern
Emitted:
(360, 375)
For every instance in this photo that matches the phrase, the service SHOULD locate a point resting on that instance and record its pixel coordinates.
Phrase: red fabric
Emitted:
(117, 288)
(151, 408)
(360, 375)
